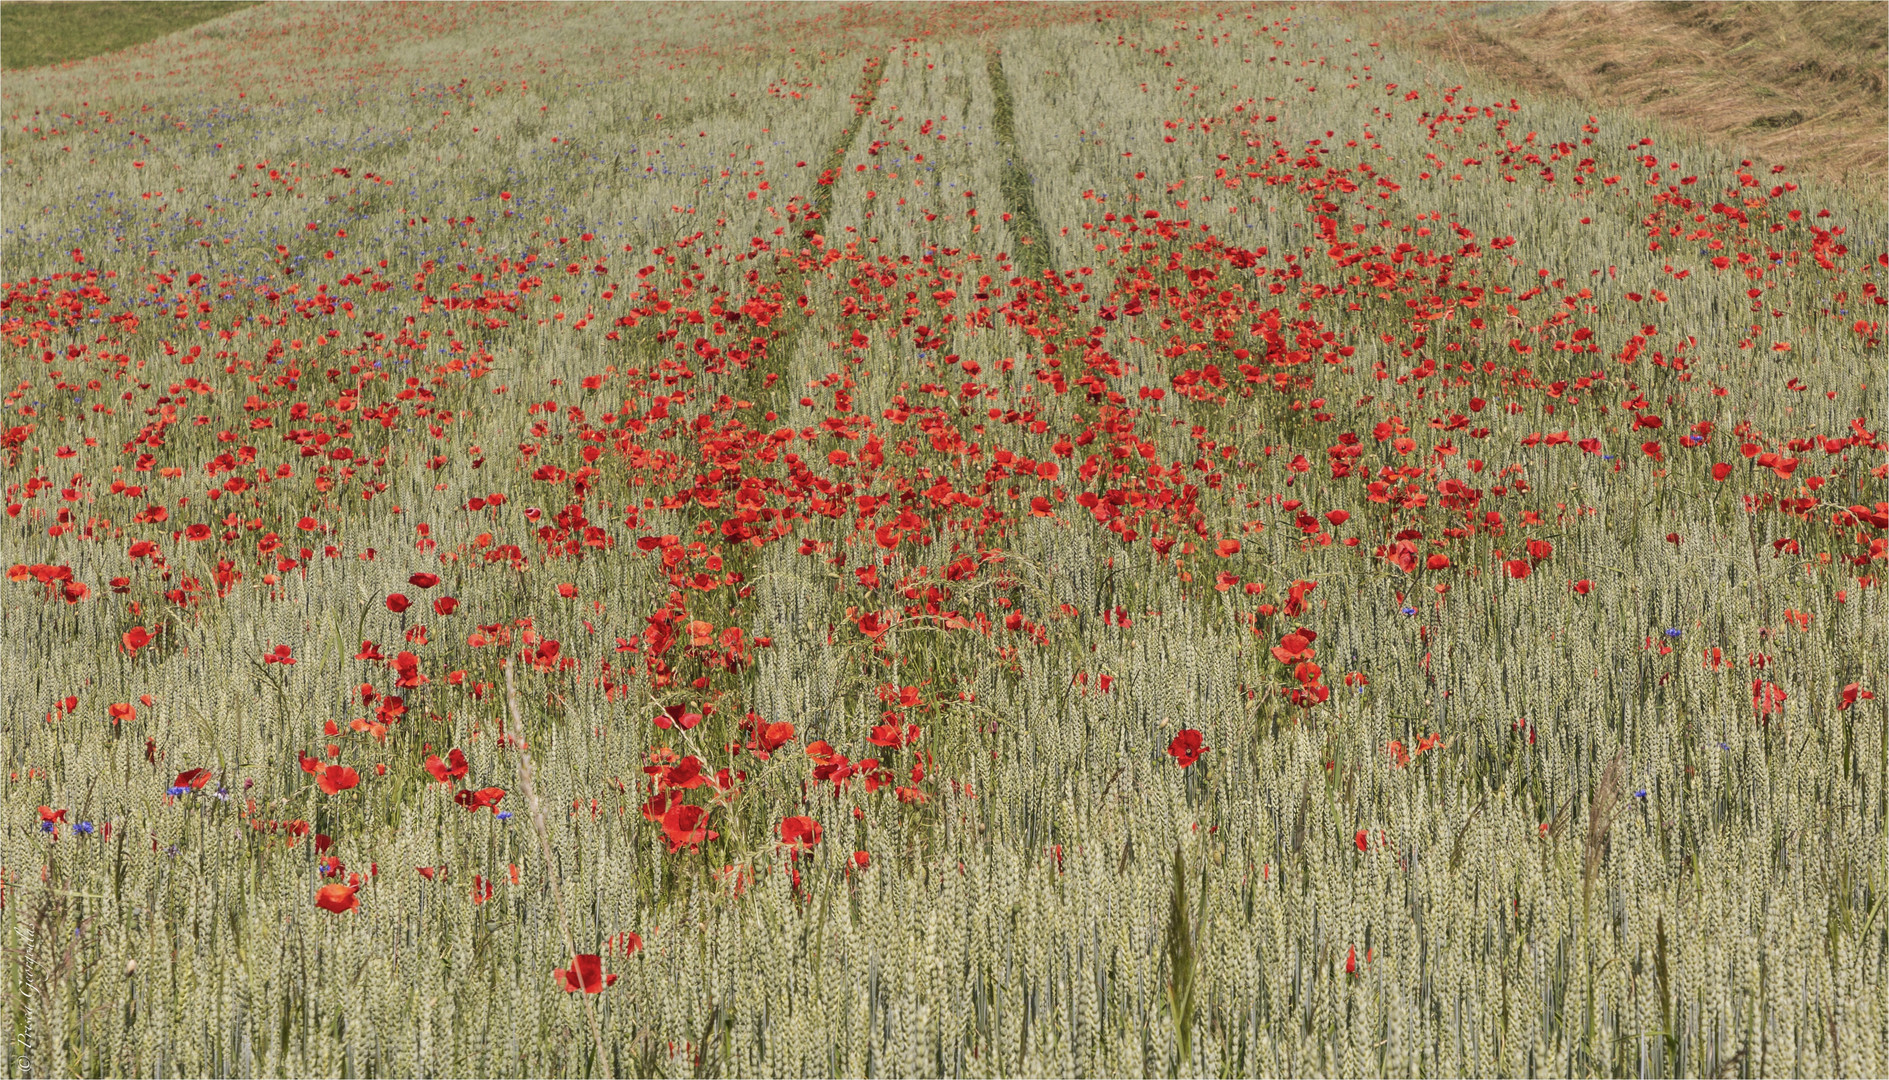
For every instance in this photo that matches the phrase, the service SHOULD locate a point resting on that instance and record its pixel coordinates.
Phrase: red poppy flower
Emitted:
(889, 735)
(862, 860)
(1292, 648)
(1187, 746)
(481, 799)
(771, 737)
(799, 833)
(397, 603)
(308, 524)
(1227, 548)
(1295, 596)
(1337, 517)
(1583, 586)
(1517, 569)
(1851, 694)
(449, 770)
(193, 779)
(683, 827)
(423, 580)
(336, 779)
(1767, 697)
(48, 815)
(197, 532)
(660, 804)
(121, 711)
(337, 898)
(677, 716)
(1363, 840)
(684, 775)
(585, 973)
(1438, 562)
(136, 638)
(445, 605)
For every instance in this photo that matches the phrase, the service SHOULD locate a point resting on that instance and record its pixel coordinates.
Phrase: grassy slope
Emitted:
(34, 34)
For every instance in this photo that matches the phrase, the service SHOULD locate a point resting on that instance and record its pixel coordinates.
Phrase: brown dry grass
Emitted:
(1796, 84)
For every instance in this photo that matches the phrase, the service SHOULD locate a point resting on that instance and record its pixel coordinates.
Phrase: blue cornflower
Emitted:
(84, 828)
(177, 789)
(48, 826)
(504, 815)
(1640, 794)
(1410, 611)
(1673, 633)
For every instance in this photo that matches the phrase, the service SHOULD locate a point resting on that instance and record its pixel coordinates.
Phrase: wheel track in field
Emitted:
(765, 378)
(1032, 255)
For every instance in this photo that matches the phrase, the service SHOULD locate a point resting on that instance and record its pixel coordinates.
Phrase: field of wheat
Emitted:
(899, 540)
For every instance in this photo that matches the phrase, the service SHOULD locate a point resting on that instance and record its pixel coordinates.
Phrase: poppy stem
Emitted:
(544, 848)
